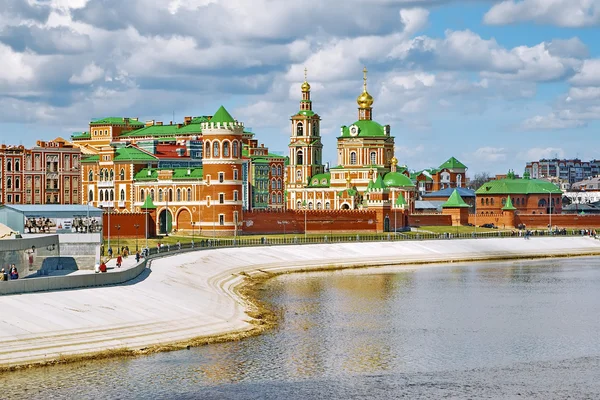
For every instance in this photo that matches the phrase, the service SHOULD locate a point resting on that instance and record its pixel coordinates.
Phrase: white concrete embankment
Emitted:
(193, 295)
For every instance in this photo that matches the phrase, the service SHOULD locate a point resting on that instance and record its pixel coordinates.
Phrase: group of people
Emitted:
(11, 275)
(38, 225)
(85, 225)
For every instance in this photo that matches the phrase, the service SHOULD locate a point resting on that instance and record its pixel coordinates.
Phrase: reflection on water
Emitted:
(492, 330)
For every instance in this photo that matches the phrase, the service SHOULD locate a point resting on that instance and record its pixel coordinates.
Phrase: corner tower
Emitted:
(221, 198)
(306, 149)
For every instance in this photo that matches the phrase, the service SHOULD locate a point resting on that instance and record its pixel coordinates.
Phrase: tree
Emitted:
(478, 180)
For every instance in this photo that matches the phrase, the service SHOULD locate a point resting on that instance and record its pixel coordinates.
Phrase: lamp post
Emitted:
(136, 226)
(146, 220)
(118, 227)
(304, 205)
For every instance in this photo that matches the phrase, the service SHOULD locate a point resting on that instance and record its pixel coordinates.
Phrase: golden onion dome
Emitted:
(305, 86)
(365, 100)
(394, 161)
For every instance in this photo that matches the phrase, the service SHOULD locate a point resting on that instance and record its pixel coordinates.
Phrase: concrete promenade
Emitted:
(193, 295)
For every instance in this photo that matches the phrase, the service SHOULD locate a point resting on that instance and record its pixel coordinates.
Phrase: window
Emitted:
(122, 195)
(178, 194)
(299, 129)
(122, 174)
(142, 195)
(152, 194)
(9, 166)
(273, 198)
(17, 166)
(235, 174)
(10, 198)
(235, 149)
(189, 195)
(273, 184)
(215, 149)
(112, 175)
(207, 152)
(170, 195)
(160, 195)
(310, 205)
(487, 202)
(235, 195)
(353, 158)
(299, 175)
(482, 201)
(315, 129)
(221, 198)
(459, 180)
(279, 170)
(318, 205)
(91, 195)
(225, 149)
(17, 183)
(101, 195)
(9, 183)
(327, 205)
(542, 203)
(492, 201)
(112, 195)
(503, 201)
(221, 219)
(221, 177)
(373, 158)
(299, 157)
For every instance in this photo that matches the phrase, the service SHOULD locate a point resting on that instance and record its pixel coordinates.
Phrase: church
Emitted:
(367, 174)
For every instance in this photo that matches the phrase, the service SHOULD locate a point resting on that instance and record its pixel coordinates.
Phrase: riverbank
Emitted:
(198, 297)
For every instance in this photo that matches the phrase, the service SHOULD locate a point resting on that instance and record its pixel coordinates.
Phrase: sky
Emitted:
(492, 83)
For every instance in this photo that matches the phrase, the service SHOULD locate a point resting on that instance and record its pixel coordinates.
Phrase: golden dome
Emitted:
(348, 178)
(305, 87)
(365, 100)
(394, 160)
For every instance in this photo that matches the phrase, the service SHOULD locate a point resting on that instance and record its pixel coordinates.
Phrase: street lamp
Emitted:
(146, 220)
(136, 226)
(118, 227)
(305, 208)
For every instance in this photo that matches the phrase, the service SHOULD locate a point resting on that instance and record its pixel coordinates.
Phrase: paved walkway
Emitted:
(193, 294)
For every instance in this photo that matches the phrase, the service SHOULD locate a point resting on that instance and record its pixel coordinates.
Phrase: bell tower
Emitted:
(305, 148)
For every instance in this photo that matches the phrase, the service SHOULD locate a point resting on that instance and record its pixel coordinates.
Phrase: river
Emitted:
(501, 330)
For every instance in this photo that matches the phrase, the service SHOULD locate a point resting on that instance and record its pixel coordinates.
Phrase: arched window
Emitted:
(17, 165)
(178, 194)
(225, 149)
(299, 158)
(273, 184)
(279, 183)
(273, 198)
(299, 129)
(517, 201)
(482, 201)
(315, 129)
(299, 175)
(459, 180)
(17, 183)
(299, 205)
(327, 205)
(122, 174)
(542, 203)
(503, 201)
(122, 195)
(9, 166)
(170, 195)
(207, 151)
(279, 198)
(189, 195)
(9, 183)
(101, 195)
(160, 195)
(310, 205)
(112, 174)
(487, 202)
(373, 158)
(91, 195)
(112, 195)
(492, 201)
(215, 149)
(353, 158)
(235, 148)
(152, 194)
(279, 170)
(319, 205)
(273, 170)
(91, 176)
(142, 195)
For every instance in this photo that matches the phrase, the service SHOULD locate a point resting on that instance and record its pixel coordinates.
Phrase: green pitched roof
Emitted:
(132, 154)
(320, 180)
(115, 121)
(518, 186)
(178, 173)
(307, 113)
(397, 179)
(366, 128)
(455, 201)
(452, 163)
(222, 116)
(351, 192)
(80, 135)
(400, 201)
(509, 205)
(91, 159)
(148, 204)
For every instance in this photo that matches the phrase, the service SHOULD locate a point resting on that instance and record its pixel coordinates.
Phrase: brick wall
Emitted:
(559, 220)
(127, 222)
(429, 220)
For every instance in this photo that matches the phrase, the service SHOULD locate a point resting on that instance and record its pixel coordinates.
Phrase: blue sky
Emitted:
(493, 83)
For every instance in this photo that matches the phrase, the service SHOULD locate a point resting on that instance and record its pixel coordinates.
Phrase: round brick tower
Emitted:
(221, 195)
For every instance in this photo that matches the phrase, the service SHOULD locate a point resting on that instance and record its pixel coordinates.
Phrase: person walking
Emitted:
(137, 256)
(110, 252)
(102, 266)
(119, 261)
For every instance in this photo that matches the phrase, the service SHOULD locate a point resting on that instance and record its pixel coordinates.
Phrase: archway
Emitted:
(386, 224)
(345, 206)
(165, 222)
(184, 220)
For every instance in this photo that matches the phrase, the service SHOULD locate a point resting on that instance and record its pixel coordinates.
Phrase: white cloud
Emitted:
(565, 13)
(490, 154)
(589, 74)
(89, 74)
(538, 153)
(551, 121)
(15, 67)
(583, 94)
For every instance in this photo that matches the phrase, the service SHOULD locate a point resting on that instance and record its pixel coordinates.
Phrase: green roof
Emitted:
(153, 130)
(397, 179)
(222, 116)
(400, 201)
(377, 185)
(132, 154)
(307, 113)
(80, 135)
(517, 186)
(320, 180)
(455, 201)
(115, 121)
(366, 128)
(148, 204)
(178, 173)
(91, 159)
(351, 192)
(452, 163)
(509, 205)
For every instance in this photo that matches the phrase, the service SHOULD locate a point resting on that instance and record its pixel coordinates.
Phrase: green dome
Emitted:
(366, 128)
(396, 179)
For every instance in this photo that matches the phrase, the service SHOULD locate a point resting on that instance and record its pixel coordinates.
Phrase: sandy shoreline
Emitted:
(203, 297)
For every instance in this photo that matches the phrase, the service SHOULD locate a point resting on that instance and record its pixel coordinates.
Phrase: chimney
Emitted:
(179, 126)
(187, 120)
(150, 122)
(170, 122)
(159, 123)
